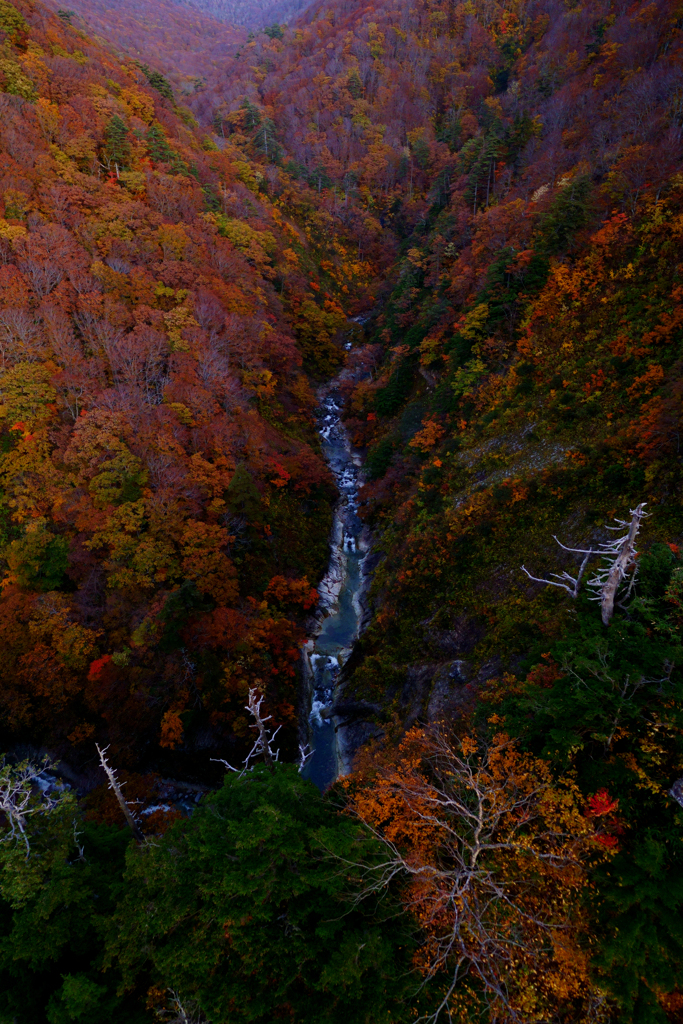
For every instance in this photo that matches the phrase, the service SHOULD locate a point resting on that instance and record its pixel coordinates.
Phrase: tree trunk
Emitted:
(114, 784)
(618, 569)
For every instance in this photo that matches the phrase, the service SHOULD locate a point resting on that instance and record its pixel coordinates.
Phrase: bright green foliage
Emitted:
(158, 82)
(240, 908)
(80, 999)
(354, 84)
(25, 391)
(243, 910)
(610, 682)
(265, 141)
(378, 458)
(15, 81)
(391, 397)
(260, 129)
(120, 479)
(569, 212)
(252, 115)
(420, 151)
(314, 329)
(159, 149)
(161, 152)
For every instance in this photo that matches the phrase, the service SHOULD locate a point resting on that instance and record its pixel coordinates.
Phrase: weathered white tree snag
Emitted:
(262, 746)
(621, 553)
(116, 786)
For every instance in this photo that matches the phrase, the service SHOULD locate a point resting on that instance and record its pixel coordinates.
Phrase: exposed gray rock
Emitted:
(447, 690)
(415, 691)
(348, 710)
(350, 738)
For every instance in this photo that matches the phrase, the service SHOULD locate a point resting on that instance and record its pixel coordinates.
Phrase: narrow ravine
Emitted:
(340, 611)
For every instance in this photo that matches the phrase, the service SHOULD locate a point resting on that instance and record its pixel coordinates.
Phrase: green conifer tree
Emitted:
(241, 911)
(117, 149)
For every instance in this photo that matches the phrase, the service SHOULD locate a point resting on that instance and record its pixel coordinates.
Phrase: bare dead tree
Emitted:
(19, 799)
(263, 744)
(620, 555)
(115, 785)
(264, 740)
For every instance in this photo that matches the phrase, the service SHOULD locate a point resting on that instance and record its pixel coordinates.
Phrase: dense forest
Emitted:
(469, 217)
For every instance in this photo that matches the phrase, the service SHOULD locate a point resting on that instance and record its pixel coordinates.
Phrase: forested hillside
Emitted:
(252, 13)
(497, 189)
(158, 456)
(183, 44)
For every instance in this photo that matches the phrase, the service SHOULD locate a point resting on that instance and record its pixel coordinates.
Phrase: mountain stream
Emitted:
(340, 610)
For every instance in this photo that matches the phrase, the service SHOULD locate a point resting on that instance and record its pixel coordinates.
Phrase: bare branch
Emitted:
(178, 1011)
(262, 745)
(574, 551)
(305, 754)
(19, 799)
(572, 590)
(227, 765)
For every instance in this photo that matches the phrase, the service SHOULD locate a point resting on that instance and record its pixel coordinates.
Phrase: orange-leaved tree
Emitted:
(493, 856)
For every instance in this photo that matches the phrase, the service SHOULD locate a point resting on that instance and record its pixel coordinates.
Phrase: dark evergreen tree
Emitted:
(157, 81)
(265, 141)
(56, 889)
(117, 145)
(243, 910)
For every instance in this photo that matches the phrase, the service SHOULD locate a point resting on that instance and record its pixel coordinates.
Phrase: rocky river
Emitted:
(340, 612)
